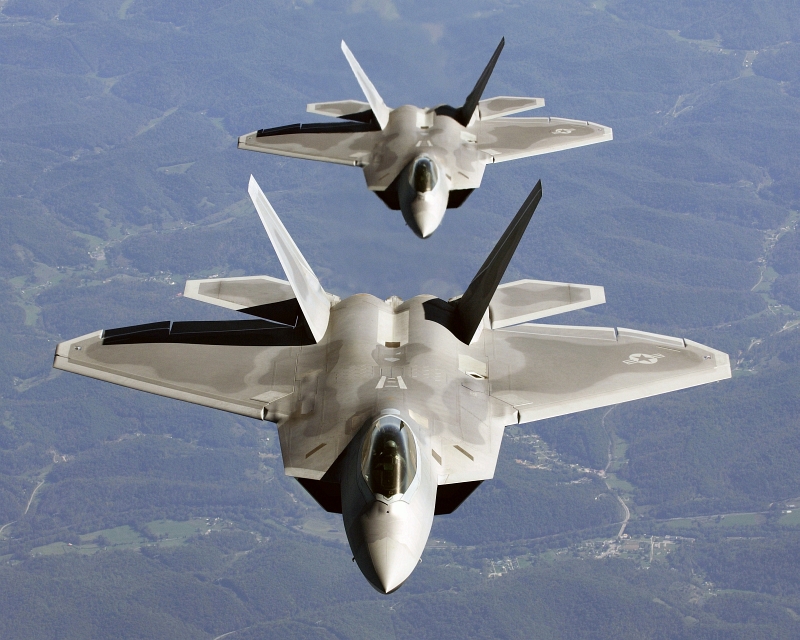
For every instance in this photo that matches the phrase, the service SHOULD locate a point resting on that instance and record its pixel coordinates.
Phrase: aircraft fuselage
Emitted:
(391, 412)
(415, 135)
(402, 368)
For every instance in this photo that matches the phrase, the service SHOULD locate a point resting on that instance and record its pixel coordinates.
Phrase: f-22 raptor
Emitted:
(424, 161)
(392, 412)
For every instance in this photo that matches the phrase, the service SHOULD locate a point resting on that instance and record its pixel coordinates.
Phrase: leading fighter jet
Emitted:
(391, 412)
(424, 161)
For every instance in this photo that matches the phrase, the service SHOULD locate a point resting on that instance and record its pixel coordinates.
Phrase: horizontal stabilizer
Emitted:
(528, 300)
(313, 300)
(260, 296)
(338, 109)
(505, 106)
(238, 294)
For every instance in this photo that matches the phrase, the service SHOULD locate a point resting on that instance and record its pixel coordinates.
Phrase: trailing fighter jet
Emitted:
(424, 161)
(391, 412)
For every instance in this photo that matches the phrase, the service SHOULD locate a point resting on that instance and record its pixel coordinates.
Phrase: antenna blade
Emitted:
(471, 307)
(379, 107)
(312, 298)
(473, 98)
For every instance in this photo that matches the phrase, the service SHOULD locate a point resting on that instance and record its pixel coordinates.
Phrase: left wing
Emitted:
(548, 370)
(512, 138)
(242, 366)
(338, 142)
(240, 379)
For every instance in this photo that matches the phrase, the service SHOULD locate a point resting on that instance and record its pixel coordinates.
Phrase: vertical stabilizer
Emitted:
(312, 298)
(463, 316)
(379, 108)
(471, 103)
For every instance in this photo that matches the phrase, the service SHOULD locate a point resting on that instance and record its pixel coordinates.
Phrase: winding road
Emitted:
(625, 508)
(7, 524)
(41, 482)
(27, 507)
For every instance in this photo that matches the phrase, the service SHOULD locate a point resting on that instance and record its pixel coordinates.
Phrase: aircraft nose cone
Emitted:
(425, 226)
(426, 218)
(393, 563)
(387, 543)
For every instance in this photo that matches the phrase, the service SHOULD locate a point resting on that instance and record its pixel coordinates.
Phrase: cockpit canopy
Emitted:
(389, 457)
(423, 175)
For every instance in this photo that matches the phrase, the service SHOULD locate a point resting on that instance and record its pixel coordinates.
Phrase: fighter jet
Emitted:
(424, 161)
(391, 412)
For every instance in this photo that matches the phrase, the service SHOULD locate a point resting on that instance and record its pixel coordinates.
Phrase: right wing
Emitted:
(238, 379)
(512, 138)
(338, 142)
(547, 370)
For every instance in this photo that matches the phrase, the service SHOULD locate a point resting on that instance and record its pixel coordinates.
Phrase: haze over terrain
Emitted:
(126, 515)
